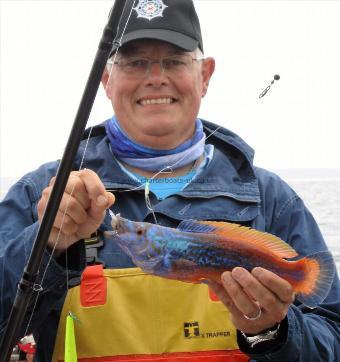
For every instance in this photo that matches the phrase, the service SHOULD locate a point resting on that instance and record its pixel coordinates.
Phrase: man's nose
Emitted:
(156, 68)
(156, 76)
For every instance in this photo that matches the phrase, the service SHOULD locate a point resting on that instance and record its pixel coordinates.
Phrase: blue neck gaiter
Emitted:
(149, 159)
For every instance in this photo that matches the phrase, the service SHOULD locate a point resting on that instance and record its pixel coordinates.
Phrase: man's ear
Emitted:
(105, 82)
(208, 68)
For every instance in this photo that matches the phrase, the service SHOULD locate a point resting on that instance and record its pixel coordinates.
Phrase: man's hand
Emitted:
(81, 211)
(243, 293)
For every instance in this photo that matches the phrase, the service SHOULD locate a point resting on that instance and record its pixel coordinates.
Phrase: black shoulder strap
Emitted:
(98, 130)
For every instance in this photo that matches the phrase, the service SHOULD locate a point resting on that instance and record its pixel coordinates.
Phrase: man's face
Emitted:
(158, 109)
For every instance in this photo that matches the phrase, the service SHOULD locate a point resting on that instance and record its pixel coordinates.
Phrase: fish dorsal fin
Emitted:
(193, 226)
(255, 237)
(242, 234)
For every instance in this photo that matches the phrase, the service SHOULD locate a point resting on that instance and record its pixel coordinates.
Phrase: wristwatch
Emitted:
(263, 337)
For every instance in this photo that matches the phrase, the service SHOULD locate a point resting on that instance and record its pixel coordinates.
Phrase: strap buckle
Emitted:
(92, 244)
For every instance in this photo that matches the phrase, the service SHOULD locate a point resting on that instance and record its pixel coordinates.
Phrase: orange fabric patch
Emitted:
(211, 356)
(93, 286)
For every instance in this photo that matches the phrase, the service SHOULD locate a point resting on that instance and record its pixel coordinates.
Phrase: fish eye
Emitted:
(140, 231)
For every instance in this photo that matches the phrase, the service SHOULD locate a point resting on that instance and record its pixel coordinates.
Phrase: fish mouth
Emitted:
(115, 220)
(117, 223)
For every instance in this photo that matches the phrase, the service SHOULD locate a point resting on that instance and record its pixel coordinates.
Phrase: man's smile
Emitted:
(156, 100)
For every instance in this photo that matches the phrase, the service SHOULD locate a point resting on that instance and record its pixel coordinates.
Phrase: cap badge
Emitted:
(150, 9)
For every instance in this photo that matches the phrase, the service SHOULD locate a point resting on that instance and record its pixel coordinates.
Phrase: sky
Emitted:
(47, 49)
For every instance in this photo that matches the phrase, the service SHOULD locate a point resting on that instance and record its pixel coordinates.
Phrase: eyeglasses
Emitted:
(140, 67)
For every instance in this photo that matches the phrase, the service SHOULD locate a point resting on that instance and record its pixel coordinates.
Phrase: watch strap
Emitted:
(262, 337)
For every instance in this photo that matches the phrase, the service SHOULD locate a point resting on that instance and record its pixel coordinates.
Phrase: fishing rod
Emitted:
(27, 283)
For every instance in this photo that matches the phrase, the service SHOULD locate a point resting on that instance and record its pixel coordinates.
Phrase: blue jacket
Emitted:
(230, 189)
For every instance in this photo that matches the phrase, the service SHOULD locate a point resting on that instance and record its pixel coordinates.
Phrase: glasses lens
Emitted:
(177, 64)
(134, 66)
(139, 67)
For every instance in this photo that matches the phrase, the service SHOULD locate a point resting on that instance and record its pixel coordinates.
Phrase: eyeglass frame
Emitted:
(152, 61)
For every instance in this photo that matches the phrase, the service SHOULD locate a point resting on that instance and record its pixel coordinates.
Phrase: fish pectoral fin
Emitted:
(185, 270)
(248, 235)
(182, 264)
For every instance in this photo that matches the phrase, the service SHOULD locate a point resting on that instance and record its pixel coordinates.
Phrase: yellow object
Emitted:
(70, 341)
(147, 315)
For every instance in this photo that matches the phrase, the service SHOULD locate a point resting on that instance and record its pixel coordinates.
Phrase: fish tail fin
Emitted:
(319, 271)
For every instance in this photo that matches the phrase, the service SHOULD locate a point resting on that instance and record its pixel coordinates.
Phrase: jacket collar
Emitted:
(233, 158)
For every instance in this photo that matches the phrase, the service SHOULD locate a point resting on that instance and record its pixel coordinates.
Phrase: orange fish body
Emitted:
(196, 251)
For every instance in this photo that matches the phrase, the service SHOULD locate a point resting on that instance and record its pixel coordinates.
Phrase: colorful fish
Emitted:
(199, 250)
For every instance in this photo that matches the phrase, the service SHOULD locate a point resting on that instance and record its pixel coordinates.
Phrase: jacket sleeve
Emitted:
(312, 334)
(18, 229)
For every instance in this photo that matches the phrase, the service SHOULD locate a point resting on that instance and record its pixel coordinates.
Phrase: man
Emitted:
(155, 83)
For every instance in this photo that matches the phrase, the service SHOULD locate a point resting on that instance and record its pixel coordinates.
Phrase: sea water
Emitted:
(320, 191)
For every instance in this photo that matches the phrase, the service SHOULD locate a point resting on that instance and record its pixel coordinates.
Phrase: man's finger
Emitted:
(71, 207)
(75, 187)
(260, 293)
(241, 299)
(100, 199)
(92, 183)
(222, 295)
(280, 287)
(100, 205)
(52, 181)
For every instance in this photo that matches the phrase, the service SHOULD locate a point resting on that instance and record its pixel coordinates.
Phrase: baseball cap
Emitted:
(172, 21)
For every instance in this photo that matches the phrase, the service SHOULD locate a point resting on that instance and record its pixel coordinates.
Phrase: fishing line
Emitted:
(146, 190)
(171, 169)
(118, 42)
(146, 187)
(126, 23)
(168, 169)
(39, 287)
(148, 201)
